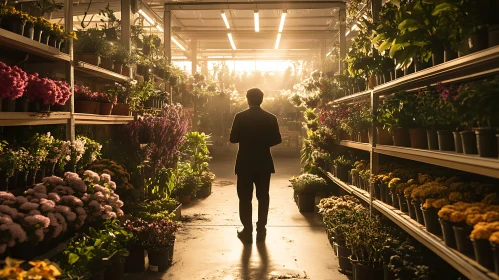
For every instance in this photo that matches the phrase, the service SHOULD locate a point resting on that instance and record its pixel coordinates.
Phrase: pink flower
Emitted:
(46, 90)
(91, 176)
(53, 181)
(80, 211)
(112, 185)
(105, 177)
(38, 220)
(62, 209)
(54, 196)
(13, 81)
(21, 199)
(40, 188)
(39, 234)
(70, 216)
(94, 204)
(8, 210)
(28, 206)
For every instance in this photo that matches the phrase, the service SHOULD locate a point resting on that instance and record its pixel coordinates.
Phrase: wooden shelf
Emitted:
(462, 263)
(98, 72)
(469, 163)
(467, 67)
(18, 43)
(356, 145)
(349, 188)
(32, 118)
(101, 119)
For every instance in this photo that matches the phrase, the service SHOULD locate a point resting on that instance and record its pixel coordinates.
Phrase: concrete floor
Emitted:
(207, 246)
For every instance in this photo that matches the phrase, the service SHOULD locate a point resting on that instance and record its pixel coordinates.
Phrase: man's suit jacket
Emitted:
(256, 130)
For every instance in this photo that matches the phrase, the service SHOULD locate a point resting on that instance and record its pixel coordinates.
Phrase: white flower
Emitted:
(105, 177)
(91, 176)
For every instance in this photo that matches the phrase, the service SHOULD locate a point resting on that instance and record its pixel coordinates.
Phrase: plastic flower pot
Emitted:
(98, 274)
(401, 137)
(22, 179)
(388, 196)
(468, 138)
(8, 105)
(105, 108)
(22, 104)
(204, 191)
(449, 55)
(463, 242)
(45, 38)
(366, 270)
(125, 70)
(93, 59)
(445, 140)
(40, 174)
(306, 202)
(458, 144)
(430, 216)
(107, 63)
(341, 173)
(121, 109)
(159, 258)
(382, 192)
(53, 42)
(4, 183)
(29, 31)
(31, 178)
(384, 137)
(483, 251)
(477, 40)
(493, 34)
(377, 191)
(364, 137)
(419, 212)
(495, 253)
(116, 271)
(410, 208)
(16, 26)
(185, 199)
(402, 203)
(387, 273)
(437, 57)
(37, 36)
(486, 142)
(395, 200)
(432, 138)
(87, 107)
(418, 138)
(118, 68)
(448, 233)
(343, 254)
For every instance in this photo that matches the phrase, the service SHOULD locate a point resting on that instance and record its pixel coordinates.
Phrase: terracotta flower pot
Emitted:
(364, 137)
(445, 140)
(468, 139)
(121, 109)
(105, 108)
(458, 144)
(185, 199)
(486, 142)
(483, 251)
(418, 138)
(118, 68)
(448, 233)
(384, 137)
(87, 107)
(401, 137)
(432, 139)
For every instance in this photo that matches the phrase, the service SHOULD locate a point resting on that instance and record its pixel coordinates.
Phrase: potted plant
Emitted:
(494, 242)
(86, 100)
(158, 238)
(13, 81)
(106, 100)
(207, 179)
(342, 165)
(481, 245)
(305, 187)
(91, 46)
(45, 92)
(111, 24)
(14, 20)
(122, 58)
(396, 113)
(188, 186)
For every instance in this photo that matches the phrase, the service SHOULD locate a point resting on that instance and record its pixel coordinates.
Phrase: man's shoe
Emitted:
(261, 235)
(245, 236)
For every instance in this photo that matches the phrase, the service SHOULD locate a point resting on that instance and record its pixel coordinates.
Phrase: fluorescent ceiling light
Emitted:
(277, 41)
(257, 22)
(283, 18)
(160, 29)
(231, 41)
(178, 44)
(225, 20)
(148, 18)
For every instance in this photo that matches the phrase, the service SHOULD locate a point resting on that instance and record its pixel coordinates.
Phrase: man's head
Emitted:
(254, 96)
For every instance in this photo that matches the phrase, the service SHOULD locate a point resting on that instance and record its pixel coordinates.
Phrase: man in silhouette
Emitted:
(256, 130)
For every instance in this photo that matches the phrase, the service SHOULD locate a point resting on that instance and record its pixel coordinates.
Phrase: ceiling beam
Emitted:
(258, 45)
(281, 57)
(247, 34)
(256, 5)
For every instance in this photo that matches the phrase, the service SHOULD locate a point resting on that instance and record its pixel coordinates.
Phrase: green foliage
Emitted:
(398, 110)
(195, 150)
(342, 161)
(162, 184)
(308, 184)
(92, 41)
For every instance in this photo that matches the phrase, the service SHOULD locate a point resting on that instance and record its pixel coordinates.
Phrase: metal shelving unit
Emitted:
(466, 68)
(98, 72)
(101, 119)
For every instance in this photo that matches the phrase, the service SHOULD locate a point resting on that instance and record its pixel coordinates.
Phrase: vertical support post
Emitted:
(375, 8)
(343, 42)
(126, 23)
(167, 20)
(374, 158)
(194, 56)
(68, 25)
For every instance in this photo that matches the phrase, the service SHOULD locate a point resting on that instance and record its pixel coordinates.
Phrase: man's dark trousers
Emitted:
(245, 193)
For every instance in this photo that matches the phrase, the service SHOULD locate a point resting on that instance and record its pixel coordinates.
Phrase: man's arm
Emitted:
(234, 133)
(275, 136)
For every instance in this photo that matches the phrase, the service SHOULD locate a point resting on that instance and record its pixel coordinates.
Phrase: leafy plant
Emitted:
(92, 41)
(398, 110)
(155, 235)
(342, 161)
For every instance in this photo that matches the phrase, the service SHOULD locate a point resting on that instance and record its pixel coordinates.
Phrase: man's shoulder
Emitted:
(269, 114)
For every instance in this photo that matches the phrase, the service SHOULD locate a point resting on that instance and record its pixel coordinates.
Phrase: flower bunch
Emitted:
(469, 213)
(83, 93)
(46, 90)
(106, 98)
(153, 235)
(78, 148)
(308, 184)
(484, 230)
(91, 150)
(13, 81)
(38, 270)
(13, 160)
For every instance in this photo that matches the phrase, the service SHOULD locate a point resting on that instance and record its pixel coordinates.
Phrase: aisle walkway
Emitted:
(207, 246)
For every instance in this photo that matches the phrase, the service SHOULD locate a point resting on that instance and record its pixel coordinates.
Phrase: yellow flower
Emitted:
(456, 197)
(428, 203)
(491, 216)
(481, 231)
(45, 269)
(473, 219)
(445, 213)
(439, 203)
(457, 217)
(494, 238)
